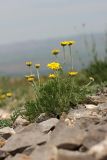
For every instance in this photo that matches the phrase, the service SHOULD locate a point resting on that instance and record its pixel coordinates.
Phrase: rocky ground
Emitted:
(80, 135)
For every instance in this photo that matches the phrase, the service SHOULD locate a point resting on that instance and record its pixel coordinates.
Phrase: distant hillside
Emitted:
(13, 56)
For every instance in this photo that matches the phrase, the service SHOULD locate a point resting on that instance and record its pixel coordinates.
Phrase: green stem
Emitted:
(64, 53)
(38, 76)
(30, 69)
(71, 58)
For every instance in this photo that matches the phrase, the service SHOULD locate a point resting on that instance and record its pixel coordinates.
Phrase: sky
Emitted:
(23, 20)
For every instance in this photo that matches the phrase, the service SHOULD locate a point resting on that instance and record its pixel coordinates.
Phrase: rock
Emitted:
(47, 152)
(42, 117)
(29, 136)
(48, 125)
(65, 137)
(103, 107)
(97, 99)
(2, 142)
(70, 155)
(99, 150)
(95, 135)
(80, 113)
(91, 106)
(6, 132)
(3, 154)
(19, 157)
(4, 114)
(86, 122)
(20, 121)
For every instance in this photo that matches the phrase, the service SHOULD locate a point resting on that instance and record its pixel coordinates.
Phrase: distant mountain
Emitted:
(13, 56)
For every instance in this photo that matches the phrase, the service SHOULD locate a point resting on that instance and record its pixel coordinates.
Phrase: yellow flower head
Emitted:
(54, 66)
(3, 96)
(37, 66)
(52, 76)
(26, 76)
(72, 73)
(64, 43)
(71, 43)
(29, 63)
(31, 76)
(55, 51)
(9, 94)
(31, 79)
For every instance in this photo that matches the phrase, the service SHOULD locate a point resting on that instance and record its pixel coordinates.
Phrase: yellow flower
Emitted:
(9, 94)
(64, 43)
(54, 66)
(26, 76)
(29, 63)
(72, 73)
(3, 96)
(71, 43)
(52, 76)
(55, 51)
(31, 79)
(31, 76)
(37, 66)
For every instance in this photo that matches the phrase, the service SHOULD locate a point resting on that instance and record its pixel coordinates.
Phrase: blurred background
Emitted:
(30, 29)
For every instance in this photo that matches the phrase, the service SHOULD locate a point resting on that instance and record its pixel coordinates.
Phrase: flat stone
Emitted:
(95, 135)
(46, 152)
(103, 106)
(98, 99)
(47, 125)
(86, 122)
(2, 142)
(70, 155)
(91, 106)
(6, 132)
(21, 121)
(19, 157)
(99, 150)
(65, 137)
(29, 136)
(80, 113)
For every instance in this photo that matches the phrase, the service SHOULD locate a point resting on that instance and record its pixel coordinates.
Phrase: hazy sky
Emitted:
(22, 20)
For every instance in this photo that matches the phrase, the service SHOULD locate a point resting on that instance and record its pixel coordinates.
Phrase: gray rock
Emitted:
(70, 155)
(19, 157)
(29, 136)
(66, 137)
(103, 106)
(6, 132)
(46, 152)
(3, 154)
(48, 125)
(20, 121)
(95, 135)
(86, 122)
(99, 150)
(91, 106)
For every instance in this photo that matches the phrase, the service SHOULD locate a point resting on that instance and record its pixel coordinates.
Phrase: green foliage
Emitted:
(5, 123)
(56, 96)
(98, 70)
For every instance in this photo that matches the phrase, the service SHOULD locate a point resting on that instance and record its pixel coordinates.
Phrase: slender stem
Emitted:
(38, 76)
(57, 74)
(30, 70)
(64, 53)
(56, 57)
(71, 58)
